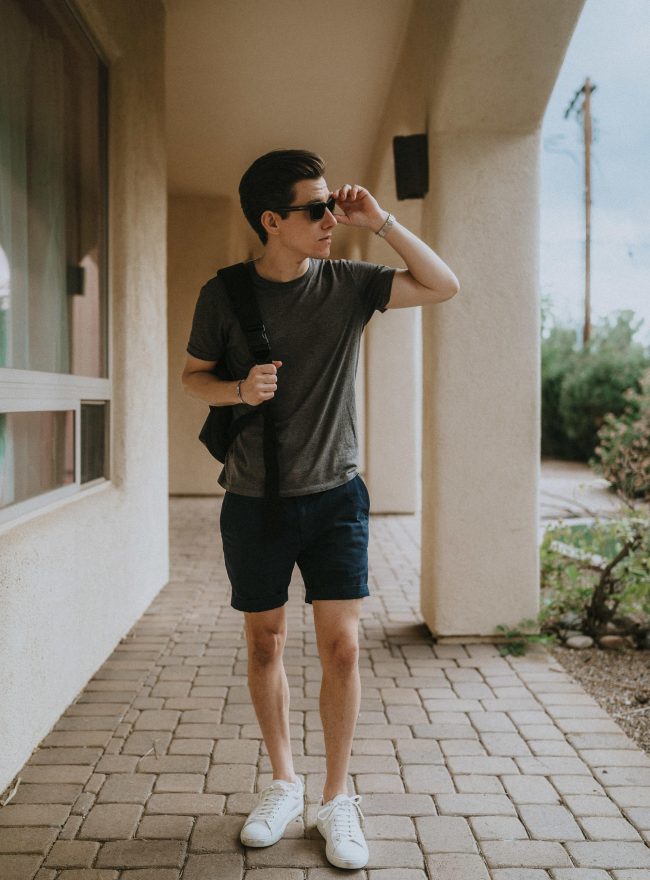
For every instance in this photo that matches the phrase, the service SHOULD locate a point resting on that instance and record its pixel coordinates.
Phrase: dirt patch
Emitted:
(619, 680)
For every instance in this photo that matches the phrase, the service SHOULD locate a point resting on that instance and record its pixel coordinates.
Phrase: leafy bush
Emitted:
(580, 386)
(623, 450)
(608, 578)
(602, 372)
(566, 587)
(558, 356)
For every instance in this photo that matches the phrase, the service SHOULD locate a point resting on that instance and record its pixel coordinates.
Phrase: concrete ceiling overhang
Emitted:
(501, 61)
(246, 76)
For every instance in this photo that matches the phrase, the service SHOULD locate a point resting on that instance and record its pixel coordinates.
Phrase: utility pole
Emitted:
(586, 90)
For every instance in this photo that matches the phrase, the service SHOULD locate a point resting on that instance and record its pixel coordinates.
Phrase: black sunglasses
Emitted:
(316, 209)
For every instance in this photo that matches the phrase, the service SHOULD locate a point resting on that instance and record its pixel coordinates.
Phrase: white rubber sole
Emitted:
(248, 842)
(346, 863)
(338, 862)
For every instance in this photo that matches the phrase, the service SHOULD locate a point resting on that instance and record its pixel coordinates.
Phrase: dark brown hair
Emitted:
(270, 180)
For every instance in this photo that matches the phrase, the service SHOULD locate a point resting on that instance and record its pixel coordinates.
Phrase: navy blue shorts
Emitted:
(326, 533)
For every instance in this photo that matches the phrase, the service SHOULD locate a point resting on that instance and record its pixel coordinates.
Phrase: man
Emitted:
(314, 310)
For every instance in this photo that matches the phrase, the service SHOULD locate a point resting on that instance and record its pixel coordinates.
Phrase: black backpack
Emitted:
(221, 426)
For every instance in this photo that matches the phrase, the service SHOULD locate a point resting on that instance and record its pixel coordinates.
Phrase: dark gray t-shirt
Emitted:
(314, 324)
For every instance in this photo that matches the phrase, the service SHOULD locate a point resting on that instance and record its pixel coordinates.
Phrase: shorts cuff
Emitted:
(243, 605)
(356, 592)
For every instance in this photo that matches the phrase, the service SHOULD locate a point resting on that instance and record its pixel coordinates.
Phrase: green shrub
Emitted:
(602, 372)
(623, 450)
(580, 386)
(558, 355)
(566, 586)
(609, 577)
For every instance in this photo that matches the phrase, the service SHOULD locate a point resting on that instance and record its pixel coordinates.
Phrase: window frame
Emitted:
(33, 391)
(44, 391)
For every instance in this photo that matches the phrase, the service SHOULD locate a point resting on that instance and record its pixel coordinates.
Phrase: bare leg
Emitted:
(337, 634)
(266, 635)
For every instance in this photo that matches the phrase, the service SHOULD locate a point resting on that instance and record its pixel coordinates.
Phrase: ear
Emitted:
(269, 221)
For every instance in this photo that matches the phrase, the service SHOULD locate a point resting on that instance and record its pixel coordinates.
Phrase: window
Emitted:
(54, 378)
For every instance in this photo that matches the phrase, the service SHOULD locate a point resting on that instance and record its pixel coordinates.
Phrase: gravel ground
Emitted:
(619, 680)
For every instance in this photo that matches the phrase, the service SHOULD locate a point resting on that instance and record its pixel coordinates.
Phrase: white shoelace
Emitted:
(342, 816)
(270, 799)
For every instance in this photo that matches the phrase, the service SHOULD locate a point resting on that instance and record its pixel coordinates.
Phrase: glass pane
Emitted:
(94, 461)
(36, 453)
(52, 192)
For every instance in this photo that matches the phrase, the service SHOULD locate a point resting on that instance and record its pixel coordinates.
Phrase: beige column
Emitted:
(392, 441)
(481, 386)
(388, 396)
(393, 377)
(199, 243)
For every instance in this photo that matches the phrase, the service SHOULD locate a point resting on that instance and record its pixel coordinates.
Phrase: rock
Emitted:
(611, 642)
(569, 619)
(579, 642)
(570, 633)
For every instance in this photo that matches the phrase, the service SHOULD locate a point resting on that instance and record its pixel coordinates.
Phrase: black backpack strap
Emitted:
(239, 287)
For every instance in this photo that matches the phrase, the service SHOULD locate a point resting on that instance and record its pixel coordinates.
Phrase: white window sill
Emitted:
(20, 519)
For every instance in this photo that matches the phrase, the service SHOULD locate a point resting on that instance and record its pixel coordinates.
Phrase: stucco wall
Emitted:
(199, 243)
(75, 578)
(394, 339)
(480, 468)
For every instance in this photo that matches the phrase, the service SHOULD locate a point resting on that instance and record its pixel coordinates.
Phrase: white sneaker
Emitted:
(338, 822)
(279, 803)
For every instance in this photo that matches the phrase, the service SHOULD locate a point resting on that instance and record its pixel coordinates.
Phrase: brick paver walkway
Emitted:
(471, 766)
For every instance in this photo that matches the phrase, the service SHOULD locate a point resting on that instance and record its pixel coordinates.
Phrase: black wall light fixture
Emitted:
(411, 166)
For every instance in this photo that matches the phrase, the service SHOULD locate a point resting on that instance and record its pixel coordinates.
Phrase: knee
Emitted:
(265, 647)
(342, 655)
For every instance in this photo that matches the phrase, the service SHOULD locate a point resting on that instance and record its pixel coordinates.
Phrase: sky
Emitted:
(611, 46)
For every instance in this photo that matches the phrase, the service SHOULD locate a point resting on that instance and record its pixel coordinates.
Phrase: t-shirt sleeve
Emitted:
(208, 334)
(373, 282)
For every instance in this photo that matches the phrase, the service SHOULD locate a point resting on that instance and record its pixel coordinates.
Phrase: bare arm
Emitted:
(200, 382)
(428, 279)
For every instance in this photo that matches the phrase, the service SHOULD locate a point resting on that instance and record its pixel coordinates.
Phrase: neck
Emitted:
(281, 267)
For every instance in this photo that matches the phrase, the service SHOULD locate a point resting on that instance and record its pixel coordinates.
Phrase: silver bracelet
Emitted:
(239, 391)
(388, 225)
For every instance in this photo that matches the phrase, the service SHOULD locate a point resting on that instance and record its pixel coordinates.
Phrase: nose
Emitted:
(329, 219)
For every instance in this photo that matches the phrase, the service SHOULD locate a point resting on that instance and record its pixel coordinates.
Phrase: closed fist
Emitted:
(261, 383)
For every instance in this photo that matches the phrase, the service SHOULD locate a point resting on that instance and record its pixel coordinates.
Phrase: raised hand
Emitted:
(359, 207)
